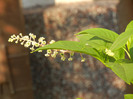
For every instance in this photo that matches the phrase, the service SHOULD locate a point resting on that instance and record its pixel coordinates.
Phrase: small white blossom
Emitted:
(52, 41)
(54, 53)
(37, 45)
(43, 42)
(63, 58)
(109, 52)
(13, 36)
(70, 59)
(83, 60)
(27, 44)
(16, 41)
(32, 36)
(20, 34)
(17, 37)
(10, 40)
(40, 51)
(41, 39)
(32, 49)
(33, 43)
(63, 51)
(47, 55)
(25, 37)
(49, 51)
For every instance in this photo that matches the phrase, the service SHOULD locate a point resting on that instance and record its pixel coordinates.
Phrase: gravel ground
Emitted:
(54, 79)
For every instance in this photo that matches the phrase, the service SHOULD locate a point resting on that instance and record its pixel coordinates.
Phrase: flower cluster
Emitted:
(109, 52)
(54, 52)
(29, 41)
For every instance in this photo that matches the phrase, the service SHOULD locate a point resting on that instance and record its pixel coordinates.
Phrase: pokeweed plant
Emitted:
(103, 44)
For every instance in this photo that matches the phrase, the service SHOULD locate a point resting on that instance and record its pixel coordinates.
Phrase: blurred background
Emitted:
(34, 76)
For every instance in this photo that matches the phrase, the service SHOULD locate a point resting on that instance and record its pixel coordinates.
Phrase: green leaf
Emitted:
(84, 37)
(119, 54)
(130, 48)
(102, 33)
(130, 40)
(123, 69)
(72, 46)
(129, 26)
(100, 44)
(124, 37)
(128, 96)
(94, 41)
(121, 40)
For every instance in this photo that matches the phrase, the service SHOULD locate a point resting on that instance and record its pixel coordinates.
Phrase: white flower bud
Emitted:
(22, 43)
(41, 39)
(70, 59)
(10, 40)
(46, 55)
(32, 35)
(34, 43)
(16, 41)
(43, 42)
(83, 60)
(53, 55)
(49, 51)
(27, 44)
(63, 51)
(20, 34)
(40, 51)
(63, 58)
(32, 49)
(37, 45)
(17, 37)
(13, 36)
(109, 52)
(25, 37)
(52, 41)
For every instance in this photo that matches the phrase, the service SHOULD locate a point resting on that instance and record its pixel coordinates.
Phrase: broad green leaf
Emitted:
(119, 54)
(124, 37)
(130, 49)
(131, 53)
(128, 96)
(121, 40)
(102, 33)
(130, 40)
(100, 44)
(123, 69)
(84, 37)
(129, 26)
(94, 41)
(72, 46)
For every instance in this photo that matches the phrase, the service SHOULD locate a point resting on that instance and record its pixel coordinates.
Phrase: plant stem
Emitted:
(127, 53)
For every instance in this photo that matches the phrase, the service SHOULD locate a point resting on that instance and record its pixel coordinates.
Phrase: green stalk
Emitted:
(127, 53)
